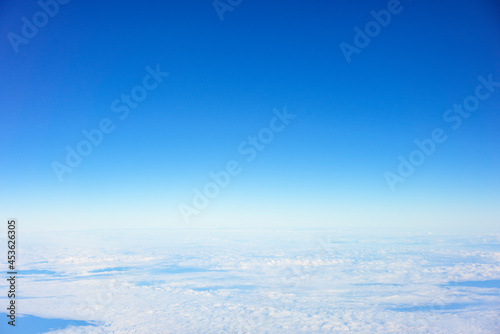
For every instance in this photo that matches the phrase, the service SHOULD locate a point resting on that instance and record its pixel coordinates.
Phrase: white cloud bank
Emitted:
(260, 281)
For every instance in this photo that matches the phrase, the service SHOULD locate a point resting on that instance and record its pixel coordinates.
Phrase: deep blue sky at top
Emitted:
(326, 168)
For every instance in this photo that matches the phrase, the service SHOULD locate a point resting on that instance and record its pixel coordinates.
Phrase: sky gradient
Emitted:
(226, 81)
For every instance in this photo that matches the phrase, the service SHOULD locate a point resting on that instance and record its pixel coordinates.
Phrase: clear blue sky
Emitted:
(325, 169)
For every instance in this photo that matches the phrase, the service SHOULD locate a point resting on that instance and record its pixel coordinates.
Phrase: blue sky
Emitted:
(324, 169)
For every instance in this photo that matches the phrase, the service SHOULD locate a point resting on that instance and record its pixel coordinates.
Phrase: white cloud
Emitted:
(183, 281)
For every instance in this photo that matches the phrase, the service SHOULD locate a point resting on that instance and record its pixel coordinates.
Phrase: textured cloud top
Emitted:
(259, 281)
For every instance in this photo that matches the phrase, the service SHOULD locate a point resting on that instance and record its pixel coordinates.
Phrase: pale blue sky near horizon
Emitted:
(325, 169)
